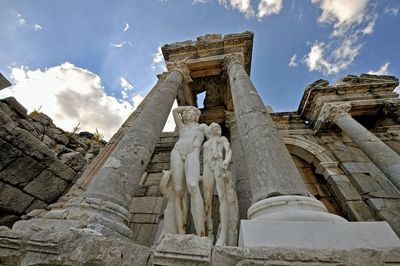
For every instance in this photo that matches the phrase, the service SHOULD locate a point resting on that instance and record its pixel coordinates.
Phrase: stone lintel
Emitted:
(211, 45)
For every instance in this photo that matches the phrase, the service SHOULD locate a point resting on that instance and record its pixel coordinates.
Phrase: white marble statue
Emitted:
(185, 168)
(216, 170)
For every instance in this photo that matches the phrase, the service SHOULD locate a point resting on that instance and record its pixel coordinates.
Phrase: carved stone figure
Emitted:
(216, 170)
(185, 168)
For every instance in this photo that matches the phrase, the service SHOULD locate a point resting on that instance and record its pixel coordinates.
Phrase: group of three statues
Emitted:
(184, 176)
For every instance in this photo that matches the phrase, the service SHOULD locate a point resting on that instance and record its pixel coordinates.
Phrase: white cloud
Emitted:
(350, 20)
(268, 7)
(21, 20)
(126, 26)
(243, 6)
(126, 86)
(158, 61)
(37, 27)
(292, 62)
(341, 13)
(69, 94)
(264, 8)
(392, 10)
(330, 59)
(383, 70)
(136, 100)
(371, 24)
(199, 2)
(121, 44)
(118, 45)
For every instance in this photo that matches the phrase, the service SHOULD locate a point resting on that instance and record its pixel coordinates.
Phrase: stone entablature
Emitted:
(211, 46)
(368, 95)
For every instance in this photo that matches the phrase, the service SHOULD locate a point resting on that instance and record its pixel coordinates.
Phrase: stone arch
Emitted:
(310, 152)
(307, 154)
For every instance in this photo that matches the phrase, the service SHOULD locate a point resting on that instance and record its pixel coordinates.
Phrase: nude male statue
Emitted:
(185, 168)
(216, 169)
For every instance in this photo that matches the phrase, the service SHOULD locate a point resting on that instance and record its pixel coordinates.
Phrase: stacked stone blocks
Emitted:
(38, 161)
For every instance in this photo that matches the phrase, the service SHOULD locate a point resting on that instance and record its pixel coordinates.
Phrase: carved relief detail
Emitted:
(331, 111)
(182, 67)
(232, 59)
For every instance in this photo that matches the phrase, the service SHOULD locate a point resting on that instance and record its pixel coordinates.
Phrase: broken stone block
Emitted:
(75, 160)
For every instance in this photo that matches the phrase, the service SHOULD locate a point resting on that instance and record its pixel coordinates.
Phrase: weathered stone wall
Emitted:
(38, 161)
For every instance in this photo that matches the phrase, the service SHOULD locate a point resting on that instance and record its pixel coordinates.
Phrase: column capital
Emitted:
(330, 112)
(182, 67)
(231, 59)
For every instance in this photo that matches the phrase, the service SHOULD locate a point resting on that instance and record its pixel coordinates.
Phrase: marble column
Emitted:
(239, 169)
(104, 205)
(387, 160)
(277, 188)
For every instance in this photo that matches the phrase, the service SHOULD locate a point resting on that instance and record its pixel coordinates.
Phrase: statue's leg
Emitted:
(208, 191)
(192, 173)
(223, 211)
(178, 180)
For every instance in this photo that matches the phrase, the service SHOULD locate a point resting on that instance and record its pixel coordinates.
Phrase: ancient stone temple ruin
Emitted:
(317, 186)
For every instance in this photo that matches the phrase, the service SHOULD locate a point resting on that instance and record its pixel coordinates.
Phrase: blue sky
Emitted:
(93, 61)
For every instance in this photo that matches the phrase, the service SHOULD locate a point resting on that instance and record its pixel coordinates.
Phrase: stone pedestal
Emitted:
(317, 235)
(183, 250)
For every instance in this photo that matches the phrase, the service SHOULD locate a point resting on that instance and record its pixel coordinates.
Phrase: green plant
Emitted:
(37, 111)
(76, 128)
(97, 136)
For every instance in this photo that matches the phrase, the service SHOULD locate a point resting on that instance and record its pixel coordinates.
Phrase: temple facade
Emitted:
(317, 186)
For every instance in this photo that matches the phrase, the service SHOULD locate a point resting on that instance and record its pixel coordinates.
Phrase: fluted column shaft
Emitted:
(271, 169)
(387, 160)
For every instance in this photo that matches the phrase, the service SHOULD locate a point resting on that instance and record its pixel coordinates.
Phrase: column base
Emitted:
(102, 217)
(317, 235)
(291, 208)
(303, 222)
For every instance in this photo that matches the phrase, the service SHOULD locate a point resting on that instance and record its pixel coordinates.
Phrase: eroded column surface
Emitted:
(270, 166)
(377, 151)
